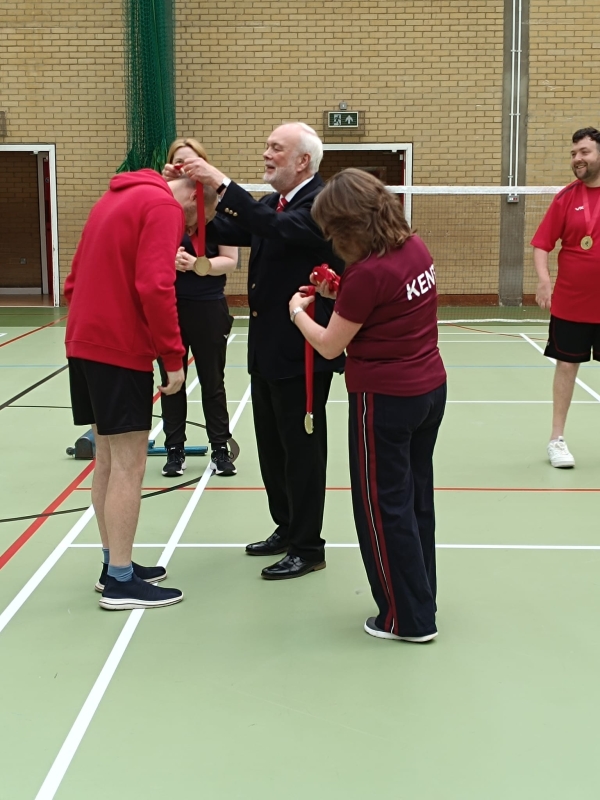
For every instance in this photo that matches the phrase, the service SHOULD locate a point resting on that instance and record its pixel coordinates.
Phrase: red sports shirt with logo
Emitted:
(395, 300)
(576, 295)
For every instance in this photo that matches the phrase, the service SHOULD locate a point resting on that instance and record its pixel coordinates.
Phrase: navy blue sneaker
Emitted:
(136, 593)
(148, 574)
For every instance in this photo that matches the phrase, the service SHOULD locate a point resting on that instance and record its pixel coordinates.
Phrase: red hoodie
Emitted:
(121, 296)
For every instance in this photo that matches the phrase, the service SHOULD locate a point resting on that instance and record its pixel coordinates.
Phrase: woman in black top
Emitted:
(205, 325)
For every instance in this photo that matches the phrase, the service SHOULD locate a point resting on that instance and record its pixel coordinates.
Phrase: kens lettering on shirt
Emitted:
(425, 281)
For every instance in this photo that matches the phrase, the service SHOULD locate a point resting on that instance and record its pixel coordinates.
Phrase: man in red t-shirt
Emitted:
(573, 217)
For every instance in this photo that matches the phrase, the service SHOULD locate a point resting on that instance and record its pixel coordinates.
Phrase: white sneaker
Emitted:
(372, 629)
(559, 454)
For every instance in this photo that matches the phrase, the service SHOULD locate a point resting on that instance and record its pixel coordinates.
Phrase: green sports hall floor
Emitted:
(251, 689)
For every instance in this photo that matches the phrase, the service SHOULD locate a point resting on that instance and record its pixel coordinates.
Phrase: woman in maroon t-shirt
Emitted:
(386, 320)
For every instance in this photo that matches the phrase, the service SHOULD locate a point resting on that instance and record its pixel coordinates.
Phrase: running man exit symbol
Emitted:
(345, 119)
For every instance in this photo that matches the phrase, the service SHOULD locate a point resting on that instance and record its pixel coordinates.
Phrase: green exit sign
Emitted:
(342, 119)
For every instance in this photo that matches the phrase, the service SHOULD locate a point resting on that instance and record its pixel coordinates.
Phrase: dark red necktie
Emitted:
(281, 204)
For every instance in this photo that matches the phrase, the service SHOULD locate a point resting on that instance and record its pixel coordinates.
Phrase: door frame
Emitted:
(395, 147)
(50, 150)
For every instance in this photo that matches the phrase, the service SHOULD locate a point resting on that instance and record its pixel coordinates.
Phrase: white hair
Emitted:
(310, 143)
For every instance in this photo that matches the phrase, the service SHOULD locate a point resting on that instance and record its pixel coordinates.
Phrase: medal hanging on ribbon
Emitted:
(309, 370)
(590, 221)
(201, 264)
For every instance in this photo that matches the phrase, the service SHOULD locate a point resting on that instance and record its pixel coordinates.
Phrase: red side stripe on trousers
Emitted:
(368, 475)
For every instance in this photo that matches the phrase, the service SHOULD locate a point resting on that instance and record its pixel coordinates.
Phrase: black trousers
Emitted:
(205, 326)
(391, 442)
(292, 462)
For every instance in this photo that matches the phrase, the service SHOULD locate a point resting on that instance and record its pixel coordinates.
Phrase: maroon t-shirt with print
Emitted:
(394, 298)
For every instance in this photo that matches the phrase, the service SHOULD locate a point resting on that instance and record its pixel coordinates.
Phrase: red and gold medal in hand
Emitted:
(318, 276)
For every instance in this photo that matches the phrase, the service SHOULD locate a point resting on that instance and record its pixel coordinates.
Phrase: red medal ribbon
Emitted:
(199, 240)
(322, 273)
(590, 221)
(201, 245)
(309, 365)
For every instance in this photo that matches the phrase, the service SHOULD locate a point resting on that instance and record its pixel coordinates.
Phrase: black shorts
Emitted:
(115, 399)
(573, 341)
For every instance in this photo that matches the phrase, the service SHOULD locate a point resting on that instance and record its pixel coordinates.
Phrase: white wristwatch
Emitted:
(296, 311)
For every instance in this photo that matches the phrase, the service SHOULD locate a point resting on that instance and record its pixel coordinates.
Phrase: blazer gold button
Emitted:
(253, 286)
(255, 313)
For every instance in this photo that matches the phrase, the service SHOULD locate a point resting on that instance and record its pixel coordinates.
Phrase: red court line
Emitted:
(72, 487)
(347, 489)
(500, 489)
(36, 524)
(35, 330)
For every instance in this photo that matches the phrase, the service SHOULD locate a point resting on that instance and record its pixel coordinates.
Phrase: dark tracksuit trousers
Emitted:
(391, 442)
(205, 326)
(293, 463)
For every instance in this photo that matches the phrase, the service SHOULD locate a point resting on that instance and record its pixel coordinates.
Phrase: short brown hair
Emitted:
(356, 207)
(193, 143)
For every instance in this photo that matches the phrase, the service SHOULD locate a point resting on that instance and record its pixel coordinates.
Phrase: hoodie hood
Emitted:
(142, 177)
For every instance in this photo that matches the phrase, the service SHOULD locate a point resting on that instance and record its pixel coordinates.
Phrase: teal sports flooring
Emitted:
(255, 690)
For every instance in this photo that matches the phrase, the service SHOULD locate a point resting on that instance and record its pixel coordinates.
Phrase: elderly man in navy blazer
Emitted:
(286, 245)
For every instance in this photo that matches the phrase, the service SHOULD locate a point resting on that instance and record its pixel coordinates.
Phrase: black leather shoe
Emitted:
(291, 567)
(274, 545)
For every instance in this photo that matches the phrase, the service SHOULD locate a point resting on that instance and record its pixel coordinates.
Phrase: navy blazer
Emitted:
(284, 249)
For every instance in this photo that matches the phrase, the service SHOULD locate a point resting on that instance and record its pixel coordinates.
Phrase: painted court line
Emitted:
(467, 402)
(32, 584)
(224, 545)
(35, 330)
(579, 382)
(32, 529)
(85, 716)
(154, 433)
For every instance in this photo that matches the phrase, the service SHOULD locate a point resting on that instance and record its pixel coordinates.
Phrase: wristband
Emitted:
(295, 312)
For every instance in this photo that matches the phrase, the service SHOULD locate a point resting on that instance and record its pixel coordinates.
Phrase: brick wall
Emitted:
(428, 73)
(61, 82)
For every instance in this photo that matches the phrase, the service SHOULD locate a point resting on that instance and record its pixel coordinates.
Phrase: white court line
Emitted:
(32, 584)
(480, 341)
(61, 764)
(222, 545)
(467, 402)
(2, 334)
(154, 433)
(519, 402)
(472, 321)
(579, 382)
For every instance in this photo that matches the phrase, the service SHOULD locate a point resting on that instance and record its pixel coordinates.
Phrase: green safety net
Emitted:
(150, 83)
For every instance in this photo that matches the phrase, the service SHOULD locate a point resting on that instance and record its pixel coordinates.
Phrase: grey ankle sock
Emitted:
(105, 555)
(121, 574)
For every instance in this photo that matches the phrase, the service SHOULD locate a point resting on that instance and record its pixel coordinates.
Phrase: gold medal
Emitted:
(202, 265)
(586, 242)
(308, 422)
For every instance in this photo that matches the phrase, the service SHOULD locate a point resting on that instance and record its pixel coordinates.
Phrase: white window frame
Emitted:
(40, 150)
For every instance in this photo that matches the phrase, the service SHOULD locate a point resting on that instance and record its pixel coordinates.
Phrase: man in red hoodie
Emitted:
(122, 316)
